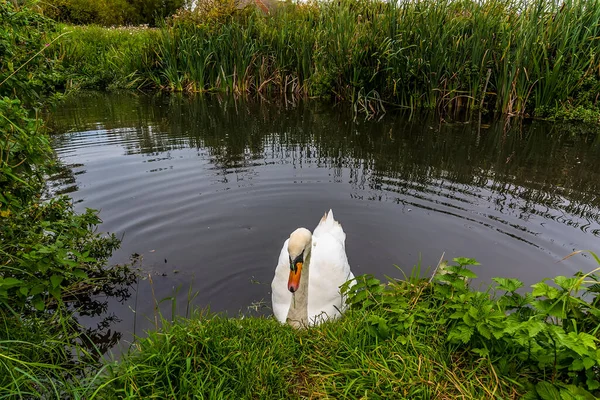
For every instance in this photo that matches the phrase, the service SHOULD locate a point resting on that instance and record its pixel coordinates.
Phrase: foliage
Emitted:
(506, 56)
(545, 339)
(24, 37)
(51, 260)
(212, 356)
(101, 58)
(21, 152)
(46, 249)
(110, 12)
(51, 264)
(412, 338)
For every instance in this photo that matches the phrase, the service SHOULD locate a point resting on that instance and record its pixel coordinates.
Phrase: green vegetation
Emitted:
(52, 262)
(509, 56)
(110, 12)
(105, 58)
(504, 56)
(412, 338)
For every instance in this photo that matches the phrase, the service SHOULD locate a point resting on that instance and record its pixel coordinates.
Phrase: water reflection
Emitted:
(211, 187)
(522, 170)
(92, 312)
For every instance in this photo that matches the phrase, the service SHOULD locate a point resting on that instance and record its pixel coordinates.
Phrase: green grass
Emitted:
(508, 56)
(406, 339)
(218, 357)
(104, 58)
(412, 338)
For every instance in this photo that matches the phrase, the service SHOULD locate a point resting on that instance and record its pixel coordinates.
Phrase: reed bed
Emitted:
(508, 56)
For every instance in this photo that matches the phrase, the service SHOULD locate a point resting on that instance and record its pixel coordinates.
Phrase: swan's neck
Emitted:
(298, 312)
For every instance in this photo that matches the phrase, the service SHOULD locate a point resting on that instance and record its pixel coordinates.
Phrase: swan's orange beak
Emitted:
(294, 280)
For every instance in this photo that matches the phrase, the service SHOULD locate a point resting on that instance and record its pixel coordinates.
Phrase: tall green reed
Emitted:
(508, 56)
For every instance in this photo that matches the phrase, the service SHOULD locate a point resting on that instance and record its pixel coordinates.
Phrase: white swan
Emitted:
(311, 269)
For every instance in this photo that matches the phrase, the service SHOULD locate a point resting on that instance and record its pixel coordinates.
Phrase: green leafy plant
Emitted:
(51, 259)
(546, 339)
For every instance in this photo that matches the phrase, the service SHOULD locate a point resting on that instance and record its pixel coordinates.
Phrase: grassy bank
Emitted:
(509, 56)
(406, 339)
(410, 339)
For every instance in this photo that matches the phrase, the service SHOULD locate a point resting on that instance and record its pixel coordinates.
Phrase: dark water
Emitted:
(207, 191)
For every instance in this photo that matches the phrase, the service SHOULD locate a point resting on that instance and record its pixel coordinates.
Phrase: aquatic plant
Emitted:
(506, 56)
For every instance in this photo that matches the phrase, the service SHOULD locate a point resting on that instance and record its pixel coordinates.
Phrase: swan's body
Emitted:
(324, 268)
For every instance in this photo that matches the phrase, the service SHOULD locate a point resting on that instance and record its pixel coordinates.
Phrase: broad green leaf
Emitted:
(547, 391)
(483, 352)
(457, 315)
(55, 292)
(508, 284)
(572, 341)
(587, 339)
(458, 284)
(461, 332)
(83, 275)
(588, 362)
(578, 392)
(533, 327)
(39, 304)
(576, 365)
(465, 261)
(473, 312)
(542, 289)
(360, 296)
(467, 319)
(565, 394)
(467, 273)
(453, 269)
(56, 280)
(530, 395)
(37, 289)
(484, 330)
(402, 339)
(567, 283)
(373, 282)
(7, 283)
(550, 307)
(592, 380)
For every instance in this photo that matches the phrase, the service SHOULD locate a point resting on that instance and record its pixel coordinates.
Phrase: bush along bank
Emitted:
(52, 263)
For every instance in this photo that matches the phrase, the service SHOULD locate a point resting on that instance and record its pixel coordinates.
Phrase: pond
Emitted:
(206, 190)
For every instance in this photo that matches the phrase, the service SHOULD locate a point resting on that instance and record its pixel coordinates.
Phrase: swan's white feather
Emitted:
(281, 297)
(328, 270)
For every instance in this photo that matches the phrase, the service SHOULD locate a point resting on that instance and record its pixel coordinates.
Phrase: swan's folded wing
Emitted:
(329, 269)
(280, 295)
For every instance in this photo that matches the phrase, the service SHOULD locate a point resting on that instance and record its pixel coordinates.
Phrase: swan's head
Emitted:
(298, 249)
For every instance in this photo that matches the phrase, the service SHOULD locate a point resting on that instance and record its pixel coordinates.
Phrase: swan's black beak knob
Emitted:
(295, 271)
